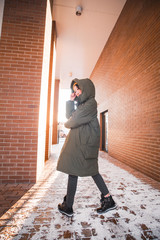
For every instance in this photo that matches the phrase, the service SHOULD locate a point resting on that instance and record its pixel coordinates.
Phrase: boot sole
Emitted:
(67, 214)
(107, 210)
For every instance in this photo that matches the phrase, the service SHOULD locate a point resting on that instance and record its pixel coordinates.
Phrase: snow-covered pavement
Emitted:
(35, 214)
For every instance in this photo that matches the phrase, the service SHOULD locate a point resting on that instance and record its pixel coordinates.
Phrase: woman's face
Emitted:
(77, 91)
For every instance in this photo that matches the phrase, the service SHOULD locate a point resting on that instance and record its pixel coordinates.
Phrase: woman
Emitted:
(79, 155)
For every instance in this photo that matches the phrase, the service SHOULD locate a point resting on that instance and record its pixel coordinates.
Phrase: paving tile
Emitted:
(29, 211)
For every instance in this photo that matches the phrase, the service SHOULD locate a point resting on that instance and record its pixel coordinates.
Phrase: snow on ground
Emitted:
(136, 217)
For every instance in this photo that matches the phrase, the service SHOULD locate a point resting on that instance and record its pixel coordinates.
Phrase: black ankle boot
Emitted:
(64, 199)
(102, 197)
(107, 204)
(64, 209)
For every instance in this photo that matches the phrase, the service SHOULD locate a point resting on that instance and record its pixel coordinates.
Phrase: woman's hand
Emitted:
(72, 97)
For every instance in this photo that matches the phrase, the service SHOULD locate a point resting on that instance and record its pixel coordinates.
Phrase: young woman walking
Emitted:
(79, 154)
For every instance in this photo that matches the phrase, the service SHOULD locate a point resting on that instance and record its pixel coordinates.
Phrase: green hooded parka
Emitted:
(79, 154)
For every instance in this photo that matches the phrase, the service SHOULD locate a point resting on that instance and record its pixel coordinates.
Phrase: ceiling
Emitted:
(81, 39)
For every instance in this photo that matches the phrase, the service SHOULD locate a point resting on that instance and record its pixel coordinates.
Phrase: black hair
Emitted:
(73, 83)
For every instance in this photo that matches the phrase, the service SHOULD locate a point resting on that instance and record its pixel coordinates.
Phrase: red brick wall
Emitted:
(127, 79)
(21, 54)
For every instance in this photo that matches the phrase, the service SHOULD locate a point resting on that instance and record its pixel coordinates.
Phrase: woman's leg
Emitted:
(107, 202)
(66, 206)
(101, 184)
(71, 190)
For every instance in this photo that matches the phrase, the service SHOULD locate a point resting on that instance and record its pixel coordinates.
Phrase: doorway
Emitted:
(105, 131)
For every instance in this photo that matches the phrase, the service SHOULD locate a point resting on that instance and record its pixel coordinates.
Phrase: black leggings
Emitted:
(72, 186)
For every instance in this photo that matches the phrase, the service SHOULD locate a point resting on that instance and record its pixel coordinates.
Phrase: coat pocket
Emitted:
(90, 139)
(91, 148)
(90, 152)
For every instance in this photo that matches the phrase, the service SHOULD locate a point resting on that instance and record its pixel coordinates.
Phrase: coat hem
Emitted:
(86, 175)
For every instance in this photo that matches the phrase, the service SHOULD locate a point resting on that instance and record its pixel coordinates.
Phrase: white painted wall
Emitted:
(44, 92)
(1, 14)
(81, 39)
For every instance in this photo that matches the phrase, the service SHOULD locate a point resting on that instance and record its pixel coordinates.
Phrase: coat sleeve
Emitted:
(69, 108)
(84, 114)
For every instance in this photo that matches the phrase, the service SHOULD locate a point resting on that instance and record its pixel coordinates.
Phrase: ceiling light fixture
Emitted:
(78, 10)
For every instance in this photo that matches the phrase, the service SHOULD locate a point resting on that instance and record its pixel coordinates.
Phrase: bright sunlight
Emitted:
(64, 95)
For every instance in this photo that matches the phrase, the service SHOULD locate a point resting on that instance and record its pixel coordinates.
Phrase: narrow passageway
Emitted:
(35, 214)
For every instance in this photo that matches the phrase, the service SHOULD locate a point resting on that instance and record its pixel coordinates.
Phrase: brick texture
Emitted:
(127, 79)
(21, 54)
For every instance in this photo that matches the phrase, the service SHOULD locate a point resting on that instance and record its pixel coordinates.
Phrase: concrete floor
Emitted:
(30, 211)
